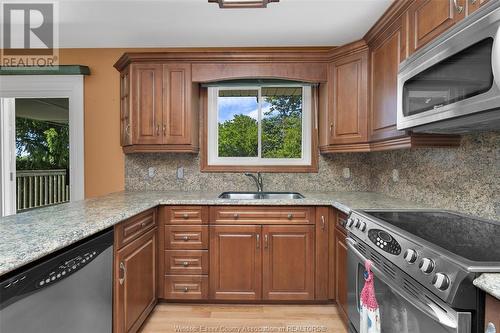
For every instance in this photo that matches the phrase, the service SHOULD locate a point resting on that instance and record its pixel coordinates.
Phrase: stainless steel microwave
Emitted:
(453, 84)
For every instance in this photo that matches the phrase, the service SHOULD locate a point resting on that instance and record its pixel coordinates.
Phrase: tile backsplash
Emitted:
(466, 179)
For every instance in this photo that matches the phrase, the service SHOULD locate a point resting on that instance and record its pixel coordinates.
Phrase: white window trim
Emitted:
(47, 86)
(213, 158)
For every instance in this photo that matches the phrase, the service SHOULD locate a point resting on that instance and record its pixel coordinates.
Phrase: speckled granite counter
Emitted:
(31, 235)
(489, 282)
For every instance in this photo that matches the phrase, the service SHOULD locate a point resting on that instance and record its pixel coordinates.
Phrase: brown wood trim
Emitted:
(257, 215)
(204, 167)
(395, 11)
(406, 142)
(355, 47)
(229, 54)
(160, 149)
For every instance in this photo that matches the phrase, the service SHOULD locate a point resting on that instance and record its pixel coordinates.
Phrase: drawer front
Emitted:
(134, 227)
(186, 237)
(186, 287)
(186, 262)
(186, 215)
(262, 215)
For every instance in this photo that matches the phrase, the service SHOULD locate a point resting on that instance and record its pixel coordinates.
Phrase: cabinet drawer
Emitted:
(134, 227)
(187, 262)
(186, 215)
(186, 237)
(261, 215)
(186, 287)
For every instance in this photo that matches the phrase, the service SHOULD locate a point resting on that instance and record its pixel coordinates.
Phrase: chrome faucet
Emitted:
(258, 181)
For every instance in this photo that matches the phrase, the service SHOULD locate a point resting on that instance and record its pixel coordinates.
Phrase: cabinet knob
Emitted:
(185, 238)
(185, 216)
(490, 328)
(186, 289)
(236, 215)
(143, 224)
(458, 8)
(290, 216)
(185, 264)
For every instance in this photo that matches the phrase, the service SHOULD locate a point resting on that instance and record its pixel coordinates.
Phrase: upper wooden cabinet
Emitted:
(387, 51)
(430, 18)
(159, 108)
(348, 99)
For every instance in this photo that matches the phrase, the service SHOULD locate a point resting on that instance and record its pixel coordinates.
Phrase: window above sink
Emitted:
(261, 127)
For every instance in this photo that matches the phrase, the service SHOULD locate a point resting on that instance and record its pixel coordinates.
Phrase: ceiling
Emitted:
(196, 23)
(55, 110)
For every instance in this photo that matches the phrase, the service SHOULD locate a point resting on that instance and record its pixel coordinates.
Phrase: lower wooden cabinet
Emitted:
(235, 262)
(135, 282)
(288, 262)
(341, 272)
(492, 315)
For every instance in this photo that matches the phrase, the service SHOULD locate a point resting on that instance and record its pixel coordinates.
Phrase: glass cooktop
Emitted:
(468, 237)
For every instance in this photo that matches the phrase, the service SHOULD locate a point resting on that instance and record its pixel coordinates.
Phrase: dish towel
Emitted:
(369, 311)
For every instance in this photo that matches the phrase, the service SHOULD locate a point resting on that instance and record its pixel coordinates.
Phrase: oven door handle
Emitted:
(495, 57)
(459, 321)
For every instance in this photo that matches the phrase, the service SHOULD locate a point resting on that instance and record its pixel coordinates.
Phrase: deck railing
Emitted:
(38, 188)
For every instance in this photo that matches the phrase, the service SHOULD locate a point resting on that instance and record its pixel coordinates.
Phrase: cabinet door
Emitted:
(430, 18)
(176, 104)
(235, 262)
(341, 272)
(135, 283)
(147, 103)
(386, 55)
(322, 252)
(349, 110)
(492, 313)
(125, 119)
(288, 262)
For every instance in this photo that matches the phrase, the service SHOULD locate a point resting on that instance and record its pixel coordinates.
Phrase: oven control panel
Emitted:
(384, 241)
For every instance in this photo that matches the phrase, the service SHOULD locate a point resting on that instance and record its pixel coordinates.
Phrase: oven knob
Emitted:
(358, 223)
(350, 222)
(441, 281)
(362, 226)
(410, 256)
(426, 265)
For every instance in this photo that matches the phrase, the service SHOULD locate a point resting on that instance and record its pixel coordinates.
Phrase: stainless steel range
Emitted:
(424, 262)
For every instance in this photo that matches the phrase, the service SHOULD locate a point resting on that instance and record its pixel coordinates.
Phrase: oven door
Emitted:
(400, 310)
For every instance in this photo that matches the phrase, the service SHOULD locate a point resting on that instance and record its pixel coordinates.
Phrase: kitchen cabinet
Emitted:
(235, 262)
(341, 267)
(322, 257)
(430, 18)
(347, 114)
(159, 108)
(135, 282)
(288, 262)
(492, 313)
(184, 253)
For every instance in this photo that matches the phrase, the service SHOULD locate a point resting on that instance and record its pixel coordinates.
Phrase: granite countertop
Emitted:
(29, 236)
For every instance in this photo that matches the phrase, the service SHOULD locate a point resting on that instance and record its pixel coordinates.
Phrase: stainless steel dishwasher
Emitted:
(70, 291)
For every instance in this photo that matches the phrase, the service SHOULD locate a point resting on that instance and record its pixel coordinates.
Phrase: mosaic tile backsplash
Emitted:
(466, 179)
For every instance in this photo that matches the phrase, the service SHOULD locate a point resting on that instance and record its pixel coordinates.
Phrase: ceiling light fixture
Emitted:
(243, 3)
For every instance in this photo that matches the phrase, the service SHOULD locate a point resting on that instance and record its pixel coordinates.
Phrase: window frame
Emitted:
(213, 161)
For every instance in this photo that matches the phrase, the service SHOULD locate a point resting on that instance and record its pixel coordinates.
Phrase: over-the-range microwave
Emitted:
(453, 84)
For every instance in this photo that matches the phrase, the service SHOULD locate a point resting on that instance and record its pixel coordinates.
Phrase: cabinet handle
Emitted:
(164, 130)
(185, 264)
(185, 238)
(258, 241)
(323, 224)
(123, 273)
(186, 289)
(490, 328)
(473, 2)
(458, 8)
(266, 241)
(143, 224)
(158, 130)
(290, 216)
(127, 129)
(236, 216)
(185, 216)
(331, 127)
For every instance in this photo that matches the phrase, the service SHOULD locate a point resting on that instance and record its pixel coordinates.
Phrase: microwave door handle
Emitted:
(430, 309)
(495, 58)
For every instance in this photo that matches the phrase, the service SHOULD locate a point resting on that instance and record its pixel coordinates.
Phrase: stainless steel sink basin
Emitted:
(260, 195)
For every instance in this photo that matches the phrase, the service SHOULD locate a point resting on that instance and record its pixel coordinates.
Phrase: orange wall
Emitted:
(104, 159)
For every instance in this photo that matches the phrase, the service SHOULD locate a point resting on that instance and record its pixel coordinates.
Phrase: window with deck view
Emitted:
(259, 125)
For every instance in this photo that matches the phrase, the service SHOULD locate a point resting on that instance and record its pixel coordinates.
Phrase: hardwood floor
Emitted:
(232, 318)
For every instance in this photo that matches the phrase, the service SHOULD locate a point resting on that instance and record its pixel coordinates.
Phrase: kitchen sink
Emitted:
(260, 195)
